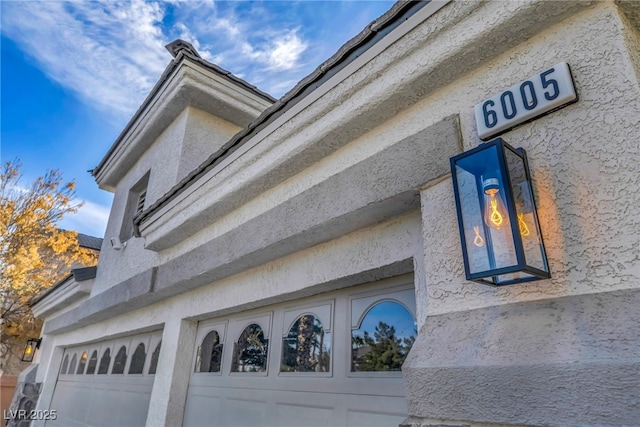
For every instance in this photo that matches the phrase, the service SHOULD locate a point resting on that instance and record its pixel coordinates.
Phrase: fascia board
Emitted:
(195, 190)
(189, 85)
(65, 295)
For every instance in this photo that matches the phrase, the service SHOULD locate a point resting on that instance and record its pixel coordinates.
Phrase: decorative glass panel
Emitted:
(65, 364)
(93, 361)
(307, 347)
(137, 360)
(210, 354)
(105, 360)
(384, 338)
(72, 365)
(120, 361)
(82, 364)
(153, 365)
(250, 351)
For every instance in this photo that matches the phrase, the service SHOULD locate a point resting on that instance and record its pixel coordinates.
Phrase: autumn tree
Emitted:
(34, 252)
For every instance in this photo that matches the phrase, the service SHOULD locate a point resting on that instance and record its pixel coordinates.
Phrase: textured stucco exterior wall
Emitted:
(203, 135)
(562, 351)
(584, 162)
(181, 147)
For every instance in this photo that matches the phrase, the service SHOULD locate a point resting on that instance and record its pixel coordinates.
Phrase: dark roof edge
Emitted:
(78, 274)
(351, 50)
(173, 65)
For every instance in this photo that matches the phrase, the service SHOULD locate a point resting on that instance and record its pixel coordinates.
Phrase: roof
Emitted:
(180, 50)
(89, 242)
(351, 50)
(77, 274)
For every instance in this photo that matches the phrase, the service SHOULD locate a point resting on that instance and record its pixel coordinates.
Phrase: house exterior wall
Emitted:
(332, 195)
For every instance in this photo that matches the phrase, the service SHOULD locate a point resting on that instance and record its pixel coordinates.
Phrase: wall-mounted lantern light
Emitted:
(499, 230)
(30, 349)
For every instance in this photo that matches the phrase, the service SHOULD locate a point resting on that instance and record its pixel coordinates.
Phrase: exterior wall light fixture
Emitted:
(30, 349)
(499, 229)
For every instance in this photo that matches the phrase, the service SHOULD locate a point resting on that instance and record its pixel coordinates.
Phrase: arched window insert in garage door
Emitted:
(210, 350)
(383, 329)
(306, 340)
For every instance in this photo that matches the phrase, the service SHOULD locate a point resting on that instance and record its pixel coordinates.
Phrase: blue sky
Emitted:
(73, 73)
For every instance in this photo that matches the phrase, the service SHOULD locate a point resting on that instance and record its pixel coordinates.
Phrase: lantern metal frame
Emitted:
(490, 276)
(33, 344)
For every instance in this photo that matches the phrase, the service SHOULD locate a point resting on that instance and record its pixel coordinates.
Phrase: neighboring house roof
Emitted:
(89, 242)
(77, 274)
(351, 50)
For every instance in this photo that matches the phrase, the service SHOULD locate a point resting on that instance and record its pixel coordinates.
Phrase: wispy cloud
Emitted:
(90, 219)
(111, 53)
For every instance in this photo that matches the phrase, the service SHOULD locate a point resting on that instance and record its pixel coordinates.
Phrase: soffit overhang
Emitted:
(187, 82)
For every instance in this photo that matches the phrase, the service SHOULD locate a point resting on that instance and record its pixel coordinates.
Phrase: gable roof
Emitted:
(351, 50)
(181, 51)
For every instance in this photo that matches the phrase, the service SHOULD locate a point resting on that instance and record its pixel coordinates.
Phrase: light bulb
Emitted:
(495, 213)
(524, 228)
(28, 350)
(478, 240)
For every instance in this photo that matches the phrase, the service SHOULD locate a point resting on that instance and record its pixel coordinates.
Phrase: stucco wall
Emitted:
(182, 146)
(584, 162)
(203, 135)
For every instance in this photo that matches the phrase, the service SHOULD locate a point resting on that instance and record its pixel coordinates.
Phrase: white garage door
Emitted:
(107, 383)
(329, 360)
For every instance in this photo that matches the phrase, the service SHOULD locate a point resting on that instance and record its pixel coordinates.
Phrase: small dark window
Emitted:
(250, 351)
(72, 365)
(120, 361)
(210, 356)
(306, 348)
(65, 364)
(135, 204)
(82, 364)
(384, 338)
(137, 360)
(153, 365)
(105, 360)
(93, 361)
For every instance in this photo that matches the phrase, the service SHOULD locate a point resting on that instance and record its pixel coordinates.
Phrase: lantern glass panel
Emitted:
(528, 226)
(488, 239)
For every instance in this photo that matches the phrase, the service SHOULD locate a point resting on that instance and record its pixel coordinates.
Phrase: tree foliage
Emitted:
(34, 253)
(382, 352)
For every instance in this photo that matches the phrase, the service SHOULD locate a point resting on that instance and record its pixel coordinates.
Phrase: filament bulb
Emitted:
(495, 213)
(524, 228)
(478, 240)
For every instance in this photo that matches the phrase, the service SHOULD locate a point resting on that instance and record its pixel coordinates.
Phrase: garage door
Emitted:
(330, 360)
(107, 383)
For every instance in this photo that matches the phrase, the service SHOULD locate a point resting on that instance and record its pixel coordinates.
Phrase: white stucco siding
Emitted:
(380, 251)
(162, 160)
(204, 134)
(191, 137)
(584, 162)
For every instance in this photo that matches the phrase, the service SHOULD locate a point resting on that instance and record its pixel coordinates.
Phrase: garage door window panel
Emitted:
(65, 365)
(250, 353)
(82, 364)
(120, 361)
(93, 362)
(72, 365)
(137, 360)
(105, 361)
(383, 338)
(209, 357)
(153, 365)
(306, 347)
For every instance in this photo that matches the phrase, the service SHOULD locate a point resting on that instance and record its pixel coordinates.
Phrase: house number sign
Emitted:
(542, 93)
